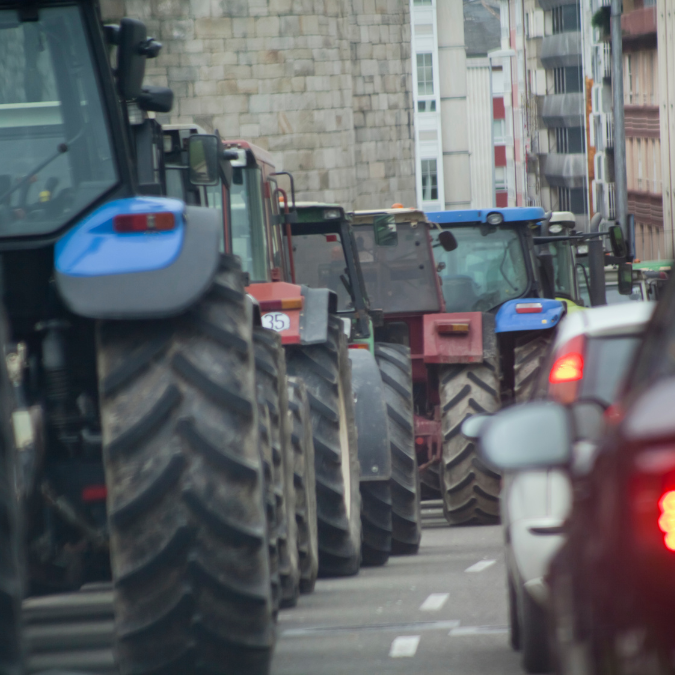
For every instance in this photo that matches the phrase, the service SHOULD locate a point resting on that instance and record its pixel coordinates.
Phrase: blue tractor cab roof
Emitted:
(519, 214)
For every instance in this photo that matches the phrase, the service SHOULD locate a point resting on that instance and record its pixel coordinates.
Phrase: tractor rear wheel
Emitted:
(529, 353)
(326, 371)
(270, 360)
(396, 372)
(11, 586)
(470, 489)
(188, 531)
(305, 483)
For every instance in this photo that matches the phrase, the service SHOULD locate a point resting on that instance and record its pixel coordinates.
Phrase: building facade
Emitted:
(461, 134)
(325, 86)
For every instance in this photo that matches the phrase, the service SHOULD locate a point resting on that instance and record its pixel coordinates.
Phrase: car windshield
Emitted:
(606, 365)
(399, 276)
(54, 141)
(485, 270)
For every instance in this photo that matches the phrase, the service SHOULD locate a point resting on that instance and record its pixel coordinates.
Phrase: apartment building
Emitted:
(461, 127)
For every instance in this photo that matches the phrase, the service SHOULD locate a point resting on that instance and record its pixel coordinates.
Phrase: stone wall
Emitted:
(325, 85)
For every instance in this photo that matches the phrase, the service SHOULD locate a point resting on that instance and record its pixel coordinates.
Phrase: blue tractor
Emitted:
(128, 409)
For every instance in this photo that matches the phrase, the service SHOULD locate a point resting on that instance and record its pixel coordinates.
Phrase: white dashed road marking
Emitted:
(461, 631)
(434, 602)
(480, 566)
(405, 645)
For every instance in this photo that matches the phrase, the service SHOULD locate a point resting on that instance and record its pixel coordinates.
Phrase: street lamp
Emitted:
(495, 54)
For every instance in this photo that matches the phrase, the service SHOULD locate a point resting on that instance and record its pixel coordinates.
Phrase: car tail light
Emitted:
(144, 222)
(652, 499)
(285, 303)
(94, 493)
(567, 370)
(529, 308)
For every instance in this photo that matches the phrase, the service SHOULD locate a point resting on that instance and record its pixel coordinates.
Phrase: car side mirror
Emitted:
(618, 241)
(203, 159)
(625, 278)
(384, 229)
(527, 436)
(130, 58)
(448, 241)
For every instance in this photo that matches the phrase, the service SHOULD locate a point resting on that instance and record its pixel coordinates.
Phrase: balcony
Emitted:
(604, 199)
(601, 56)
(563, 49)
(639, 24)
(564, 170)
(563, 110)
(603, 130)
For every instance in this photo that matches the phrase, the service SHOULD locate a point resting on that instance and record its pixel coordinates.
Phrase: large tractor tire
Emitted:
(270, 362)
(326, 371)
(304, 479)
(470, 489)
(529, 353)
(396, 372)
(270, 501)
(11, 586)
(188, 537)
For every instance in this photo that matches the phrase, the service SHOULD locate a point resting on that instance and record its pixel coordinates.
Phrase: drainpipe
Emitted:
(620, 178)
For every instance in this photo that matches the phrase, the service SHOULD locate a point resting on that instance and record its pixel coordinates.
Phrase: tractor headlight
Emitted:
(495, 218)
(556, 228)
(331, 214)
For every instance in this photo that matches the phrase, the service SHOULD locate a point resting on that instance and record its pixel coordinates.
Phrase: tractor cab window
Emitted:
(57, 156)
(249, 239)
(563, 268)
(399, 275)
(320, 263)
(486, 269)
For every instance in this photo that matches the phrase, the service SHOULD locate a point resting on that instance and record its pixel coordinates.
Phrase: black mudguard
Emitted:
(371, 417)
(157, 293)
(318, 304)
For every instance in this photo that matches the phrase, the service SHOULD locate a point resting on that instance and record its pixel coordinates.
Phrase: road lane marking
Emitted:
(404, 646)
(434, 602)
(461, 631)
(417, 626)
(480, 566)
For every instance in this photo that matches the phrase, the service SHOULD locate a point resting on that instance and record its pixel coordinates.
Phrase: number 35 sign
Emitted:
(277, 321)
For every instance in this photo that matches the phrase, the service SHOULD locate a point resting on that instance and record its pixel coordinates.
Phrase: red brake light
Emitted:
(567, 368)
(667, 519)
(144, 222)
(94, 493)
(529, 308)
(331, 238)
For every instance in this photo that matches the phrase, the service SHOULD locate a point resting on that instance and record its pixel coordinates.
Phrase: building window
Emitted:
(425, 75)
(421, 2)
(572, 199)
(570, 140)
(429, 180)
(426, 106)
(567, 80)
(638, 149)
(629, 79)
(500, 178)
(566, 19)
(499, 131)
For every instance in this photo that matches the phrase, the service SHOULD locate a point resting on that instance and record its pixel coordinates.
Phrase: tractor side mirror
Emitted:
(625, 278)
(132, 37)
(155, 99)
(203, 159)
(618, 241)
(448, 241)
(384, 229)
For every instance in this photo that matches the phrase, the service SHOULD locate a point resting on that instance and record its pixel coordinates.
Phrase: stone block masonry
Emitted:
(325, 85)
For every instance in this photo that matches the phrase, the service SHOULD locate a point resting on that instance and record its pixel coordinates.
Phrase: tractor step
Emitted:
(71, 631)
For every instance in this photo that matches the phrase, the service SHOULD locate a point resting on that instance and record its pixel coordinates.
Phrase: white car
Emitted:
(588, 358)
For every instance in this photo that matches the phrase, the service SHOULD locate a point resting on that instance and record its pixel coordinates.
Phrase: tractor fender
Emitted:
(508, 320)
(318, 304)
(101, 274)
(371, 417)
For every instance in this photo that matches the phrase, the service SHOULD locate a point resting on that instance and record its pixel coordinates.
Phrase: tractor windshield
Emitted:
(399, 276)
(486, 269)
(55, 144)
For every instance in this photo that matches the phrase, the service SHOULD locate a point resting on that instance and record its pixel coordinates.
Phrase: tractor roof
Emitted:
(400, 215)
(254, 152)
(511, 215)
(315, 212)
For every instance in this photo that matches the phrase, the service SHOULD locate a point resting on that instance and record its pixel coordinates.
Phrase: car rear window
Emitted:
(606, 364)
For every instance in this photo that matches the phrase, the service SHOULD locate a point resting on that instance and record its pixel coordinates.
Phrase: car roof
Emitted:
(627, 318)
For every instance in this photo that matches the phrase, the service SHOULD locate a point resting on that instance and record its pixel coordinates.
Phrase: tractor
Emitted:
(130, 410)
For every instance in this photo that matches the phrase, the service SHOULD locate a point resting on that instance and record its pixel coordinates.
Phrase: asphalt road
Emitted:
(441, 612)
